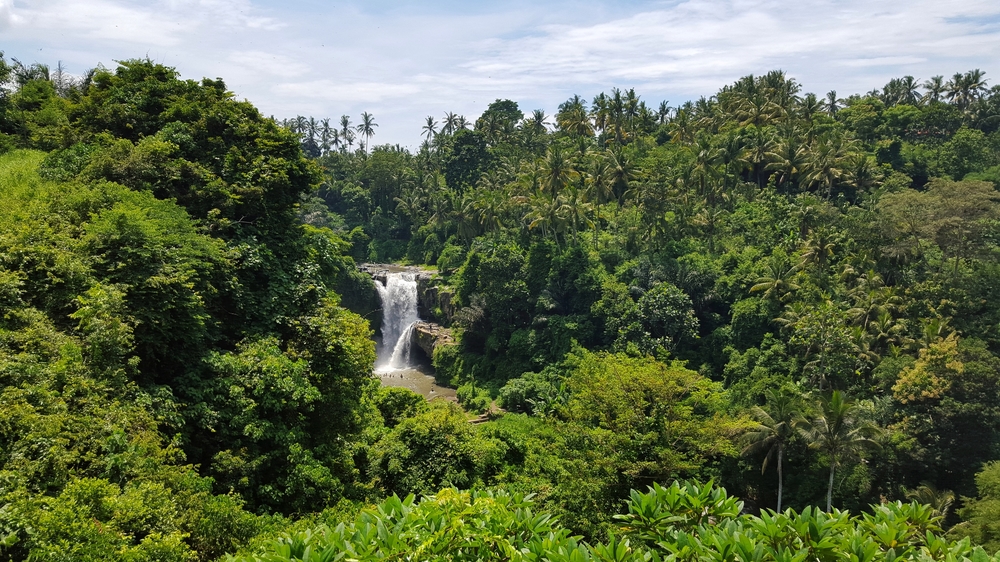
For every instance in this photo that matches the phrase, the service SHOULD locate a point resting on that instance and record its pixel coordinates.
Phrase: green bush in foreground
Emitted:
(682, 522)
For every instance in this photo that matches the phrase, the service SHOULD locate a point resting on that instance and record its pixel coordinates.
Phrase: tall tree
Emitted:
(839, 433)
(775, 427)
(430, 128)
(367, 128)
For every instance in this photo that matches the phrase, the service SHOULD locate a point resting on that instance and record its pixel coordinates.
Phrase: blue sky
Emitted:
(403, 60)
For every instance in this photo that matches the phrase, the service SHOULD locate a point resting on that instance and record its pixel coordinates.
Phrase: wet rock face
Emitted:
(434, 298)
(430, 335)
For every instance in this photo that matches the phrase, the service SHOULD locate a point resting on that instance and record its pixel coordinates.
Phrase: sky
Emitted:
(403, 60)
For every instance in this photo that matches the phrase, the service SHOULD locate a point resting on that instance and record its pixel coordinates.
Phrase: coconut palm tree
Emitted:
(826, 162)
(705, 170)
(832, 104)
(367, 128)
(346, 131)
(934, 89)
(621, 172)
(787, 158)
(575, 209)
(450, 123)
(927, 494)
(663, 113)
(839, 433)
(557, 172)
(430, 128)
(599, 189)
(963, 89)
(908, 88)
(775, 427)
(778, 281)
(757, 143)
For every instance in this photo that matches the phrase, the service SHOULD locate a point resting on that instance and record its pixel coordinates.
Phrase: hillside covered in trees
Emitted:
(793, 297)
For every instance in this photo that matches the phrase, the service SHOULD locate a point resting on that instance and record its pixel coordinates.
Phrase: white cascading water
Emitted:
(399, 314)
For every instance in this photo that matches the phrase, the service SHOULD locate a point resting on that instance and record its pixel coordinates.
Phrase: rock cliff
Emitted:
(430, 335)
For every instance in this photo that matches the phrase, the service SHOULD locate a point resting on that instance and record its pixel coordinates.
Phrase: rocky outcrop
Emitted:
(429, 335)
(435, 301)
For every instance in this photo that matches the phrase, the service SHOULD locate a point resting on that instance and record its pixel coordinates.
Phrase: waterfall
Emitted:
(399, 314)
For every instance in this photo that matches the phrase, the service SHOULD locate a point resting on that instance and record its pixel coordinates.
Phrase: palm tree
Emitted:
(622, 171)
(832, 105)
(706, 156)
(825, 164)
(927, 494)
(757, 143)
(346, 132)
(859, 171)
(430, 128)
(681, 126)
(575, 209)
(934, 87)
(787, 159)
(775, 427)
(547, 214)
(538, 122)
(600, 110)
(600, 189)
(367, 128)
(450, 123)
(557, 172)
(810, 106)
(818, 249)
(963, 89)
(326, 135)
(778, 281)
(908, 90)
(663, 113)
(839, 433)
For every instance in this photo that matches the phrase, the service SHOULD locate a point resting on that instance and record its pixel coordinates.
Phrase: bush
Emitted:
(474, 398)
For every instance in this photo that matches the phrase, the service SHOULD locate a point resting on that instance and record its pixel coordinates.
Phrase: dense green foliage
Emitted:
(768, 238)
(681, 522)
(173, 355)
(797, 298)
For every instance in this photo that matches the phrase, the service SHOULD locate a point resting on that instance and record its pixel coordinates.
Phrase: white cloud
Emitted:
(402, 62)
(269, 63)
(347, 92)
(6, 13)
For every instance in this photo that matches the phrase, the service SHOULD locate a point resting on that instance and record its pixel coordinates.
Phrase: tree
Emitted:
(661, 419)
(556, 172)
(367, 128)
(346, 130)
(825, 163)
(982, 513)
(832, 104)
(469, 159)
(933, 89)
(430, 128)
(778, 281)
(776, 426)
(450, 124)
(839, 433)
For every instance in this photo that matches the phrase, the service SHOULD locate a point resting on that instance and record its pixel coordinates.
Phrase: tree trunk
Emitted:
(829, 489)
(781, 482)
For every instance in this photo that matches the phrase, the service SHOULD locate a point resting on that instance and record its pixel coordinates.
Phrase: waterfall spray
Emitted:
(399, 314)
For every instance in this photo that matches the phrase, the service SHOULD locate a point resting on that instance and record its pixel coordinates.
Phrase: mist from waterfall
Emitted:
(399, 314)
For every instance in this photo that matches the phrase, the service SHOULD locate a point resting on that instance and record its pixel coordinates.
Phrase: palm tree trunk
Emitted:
(829, 489)
(781, 480)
